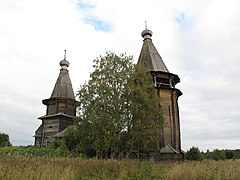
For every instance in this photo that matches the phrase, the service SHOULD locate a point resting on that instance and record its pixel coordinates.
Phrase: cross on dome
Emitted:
(64, 63)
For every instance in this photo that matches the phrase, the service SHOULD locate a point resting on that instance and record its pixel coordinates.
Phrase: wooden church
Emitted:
(164, 82)
(61, 109)
(61, 106)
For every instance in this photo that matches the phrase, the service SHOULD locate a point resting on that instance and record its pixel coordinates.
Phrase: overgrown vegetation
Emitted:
(15, 167)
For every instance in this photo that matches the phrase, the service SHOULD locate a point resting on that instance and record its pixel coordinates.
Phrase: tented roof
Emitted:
(149, 56)
(63, 87)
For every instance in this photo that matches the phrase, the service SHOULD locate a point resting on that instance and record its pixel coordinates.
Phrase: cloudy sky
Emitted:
(198, 40)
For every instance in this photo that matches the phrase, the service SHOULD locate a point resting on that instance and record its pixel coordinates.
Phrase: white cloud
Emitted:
(198, 40)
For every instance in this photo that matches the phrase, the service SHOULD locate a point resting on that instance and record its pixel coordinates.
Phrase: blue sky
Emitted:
(99, 25)
(198, 40)
(89, 18)
(180, 17)
(85, 5)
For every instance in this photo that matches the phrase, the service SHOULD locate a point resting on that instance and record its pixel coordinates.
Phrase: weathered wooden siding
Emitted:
(171, 129)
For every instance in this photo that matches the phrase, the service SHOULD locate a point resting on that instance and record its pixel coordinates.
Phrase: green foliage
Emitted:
(218, 155)
(208, 155)
(236, 154)
(194, 154)
(72, 143)
(4, 140)
(118, 108)
(71, 139)
(60, 148)
(229, 154)
(33, 151)
(103, 107)
(145, 124)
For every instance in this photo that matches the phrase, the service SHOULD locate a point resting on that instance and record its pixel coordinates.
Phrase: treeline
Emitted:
(195, 154)
(66, 148)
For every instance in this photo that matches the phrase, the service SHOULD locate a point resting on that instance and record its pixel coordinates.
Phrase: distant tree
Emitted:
(118, 108)
(218, 155)
(194, 154)
(229, 154)
(4, 140)
(236, 154)
(208, 155)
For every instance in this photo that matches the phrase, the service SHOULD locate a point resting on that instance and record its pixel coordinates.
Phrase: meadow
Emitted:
(30, 167)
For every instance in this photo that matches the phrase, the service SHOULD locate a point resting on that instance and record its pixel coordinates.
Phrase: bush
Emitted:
(229, 154)
(4, 140)
(218, 155)
(193, 154)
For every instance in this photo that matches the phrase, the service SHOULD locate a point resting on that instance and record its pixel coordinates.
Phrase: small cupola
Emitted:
(64, 63)
(147, 34)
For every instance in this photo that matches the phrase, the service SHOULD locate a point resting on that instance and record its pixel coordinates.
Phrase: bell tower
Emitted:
(61, 109)
(165, 83)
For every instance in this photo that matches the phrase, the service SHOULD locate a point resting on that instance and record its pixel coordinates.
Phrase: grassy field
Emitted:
(19, 167)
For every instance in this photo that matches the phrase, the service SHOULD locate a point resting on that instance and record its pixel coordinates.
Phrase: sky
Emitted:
(198, 40)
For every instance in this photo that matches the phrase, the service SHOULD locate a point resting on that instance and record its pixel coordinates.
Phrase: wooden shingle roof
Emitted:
(63, 86)
(149, 56)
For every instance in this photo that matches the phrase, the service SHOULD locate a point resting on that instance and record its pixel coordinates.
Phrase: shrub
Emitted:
(218, 155)
(4, 140)
(194, 154)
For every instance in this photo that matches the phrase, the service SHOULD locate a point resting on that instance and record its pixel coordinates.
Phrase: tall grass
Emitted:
(209, 169)
(19, 167)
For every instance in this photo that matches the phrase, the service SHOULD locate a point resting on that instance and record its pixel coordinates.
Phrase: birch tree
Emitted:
(119, 106)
